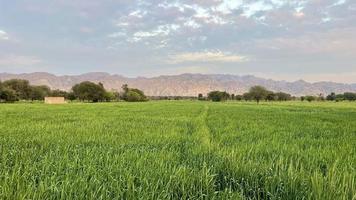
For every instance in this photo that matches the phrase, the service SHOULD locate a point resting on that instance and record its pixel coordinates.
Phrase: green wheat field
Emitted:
(178, 150)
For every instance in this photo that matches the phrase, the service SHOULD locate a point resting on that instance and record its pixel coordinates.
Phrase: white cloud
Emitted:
(256, 7)
(207, 56)
(339, 3)
(138, 13)
(227, 6)
(192, 23)
(4, 35)
(326, 19)
(117, 35)
(161, 30)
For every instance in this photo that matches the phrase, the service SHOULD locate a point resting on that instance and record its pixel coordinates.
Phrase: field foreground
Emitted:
(178, 150)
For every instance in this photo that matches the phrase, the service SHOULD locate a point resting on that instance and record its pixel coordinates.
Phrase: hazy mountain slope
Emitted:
(184, 84)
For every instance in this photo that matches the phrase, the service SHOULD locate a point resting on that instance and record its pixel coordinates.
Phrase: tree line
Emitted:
(259, 93)
(255, 93)
(17, 89)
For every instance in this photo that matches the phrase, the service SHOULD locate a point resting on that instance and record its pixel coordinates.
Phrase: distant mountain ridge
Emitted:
(184, 84)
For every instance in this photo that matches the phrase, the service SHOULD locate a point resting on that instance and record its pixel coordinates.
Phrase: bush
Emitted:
(133, 94)
(201, 97)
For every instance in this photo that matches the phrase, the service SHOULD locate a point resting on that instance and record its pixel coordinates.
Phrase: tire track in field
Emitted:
(203, 131)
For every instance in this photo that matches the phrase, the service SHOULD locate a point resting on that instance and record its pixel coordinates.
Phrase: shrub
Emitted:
(133, 94)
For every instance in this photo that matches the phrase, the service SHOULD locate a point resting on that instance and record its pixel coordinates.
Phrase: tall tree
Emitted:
(258, 93)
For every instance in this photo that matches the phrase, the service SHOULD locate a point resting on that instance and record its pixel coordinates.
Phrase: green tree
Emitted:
(258, 93)
(281, 96)
(232, 96)
(132, 94)
(7, 95)
(22, 88)
(331, 97)
(350, 96)
(89, 91)
(339, 97)
(271, 96)
(39, 92)
(247, 96)
(218, 96)
(310, 98)
(109, 96)
(59, 93)
(238, 97)
(71, 96)
(200, 96)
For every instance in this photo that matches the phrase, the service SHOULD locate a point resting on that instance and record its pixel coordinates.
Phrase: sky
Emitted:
(314, 40)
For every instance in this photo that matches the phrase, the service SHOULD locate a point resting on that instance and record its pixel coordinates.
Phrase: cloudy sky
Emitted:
(280, 39)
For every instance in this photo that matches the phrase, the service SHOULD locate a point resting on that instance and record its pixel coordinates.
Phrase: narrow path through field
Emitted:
(203, 131)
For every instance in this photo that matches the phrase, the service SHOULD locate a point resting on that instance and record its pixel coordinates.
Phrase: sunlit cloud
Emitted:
(207, 56)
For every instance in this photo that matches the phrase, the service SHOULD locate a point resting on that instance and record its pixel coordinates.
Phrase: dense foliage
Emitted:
(256, 93)
(89, 91)
(178, 150)
(132, 94)
(348, 96)
(17, 89)
(218, 96)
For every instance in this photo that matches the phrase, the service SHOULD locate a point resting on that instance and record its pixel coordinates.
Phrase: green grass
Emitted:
(178, 150)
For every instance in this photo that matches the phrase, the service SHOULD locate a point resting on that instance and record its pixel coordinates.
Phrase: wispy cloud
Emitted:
(4, 35)
(207, 56)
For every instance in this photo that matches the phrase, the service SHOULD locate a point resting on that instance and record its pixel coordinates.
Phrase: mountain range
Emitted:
(184, 84)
